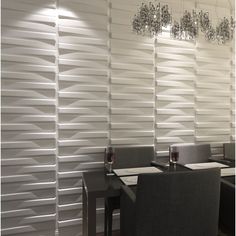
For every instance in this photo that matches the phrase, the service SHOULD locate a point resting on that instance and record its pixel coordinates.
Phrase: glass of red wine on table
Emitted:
(174, 155)
(110, 158)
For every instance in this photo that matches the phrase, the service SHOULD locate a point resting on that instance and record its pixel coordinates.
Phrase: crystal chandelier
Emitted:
(150, 19)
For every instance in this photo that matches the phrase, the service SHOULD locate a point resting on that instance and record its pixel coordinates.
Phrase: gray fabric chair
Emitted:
(193, 153)
(126, 157)
(229, 151)
(172, 204)
(227, 205)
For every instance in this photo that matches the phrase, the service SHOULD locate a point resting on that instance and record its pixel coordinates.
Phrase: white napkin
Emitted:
(130, 180)
(205, 165)
(227, 172)
(136, 171)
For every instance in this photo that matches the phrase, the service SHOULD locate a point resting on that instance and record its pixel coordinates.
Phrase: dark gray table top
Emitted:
(100, 185)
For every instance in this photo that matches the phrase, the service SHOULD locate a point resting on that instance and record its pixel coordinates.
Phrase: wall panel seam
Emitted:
(57, 119)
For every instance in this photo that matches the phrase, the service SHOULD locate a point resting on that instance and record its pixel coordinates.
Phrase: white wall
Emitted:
(76, 79)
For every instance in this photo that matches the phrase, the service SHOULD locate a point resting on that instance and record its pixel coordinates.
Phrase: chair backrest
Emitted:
(229, 151)
(178, 203)
(227, 204)
(126, 157)
(193, 153)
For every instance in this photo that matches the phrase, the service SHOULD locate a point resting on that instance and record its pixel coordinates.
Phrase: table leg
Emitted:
(85, 209)
(91, 216)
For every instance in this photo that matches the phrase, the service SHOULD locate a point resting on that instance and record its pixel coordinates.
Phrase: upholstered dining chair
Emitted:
(192, 153)
(172, 203)
(229, 151)
(125, 157)
(227, 205)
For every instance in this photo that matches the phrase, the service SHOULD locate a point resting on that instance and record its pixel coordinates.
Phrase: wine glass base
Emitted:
(110, 174)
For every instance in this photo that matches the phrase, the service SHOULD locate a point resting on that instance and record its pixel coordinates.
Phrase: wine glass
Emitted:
(174, 155)
(110, 159)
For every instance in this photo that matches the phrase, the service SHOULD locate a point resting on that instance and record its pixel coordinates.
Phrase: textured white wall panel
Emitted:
(132, 81)
(75, 78)
(175, 78)
(83, 103)
(28, 118)
(213, 94)
(232, 83)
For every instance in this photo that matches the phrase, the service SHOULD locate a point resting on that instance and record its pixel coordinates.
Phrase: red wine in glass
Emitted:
(174, 156)
(110, 155)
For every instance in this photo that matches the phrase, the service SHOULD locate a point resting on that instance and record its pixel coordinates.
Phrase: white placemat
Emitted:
(129, 180)
(227, 172)
(205, 165)
(136, 171)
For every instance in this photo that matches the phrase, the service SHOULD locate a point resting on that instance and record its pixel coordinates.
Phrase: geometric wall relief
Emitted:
(83, 104)
(175, 81)
(213, 95)
(232, 85)
(233, 93)
(132, 80)
(213, 87)
(28, 118)
(75, 78)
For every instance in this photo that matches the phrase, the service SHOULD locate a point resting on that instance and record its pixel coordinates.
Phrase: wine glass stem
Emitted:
(110, 167)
